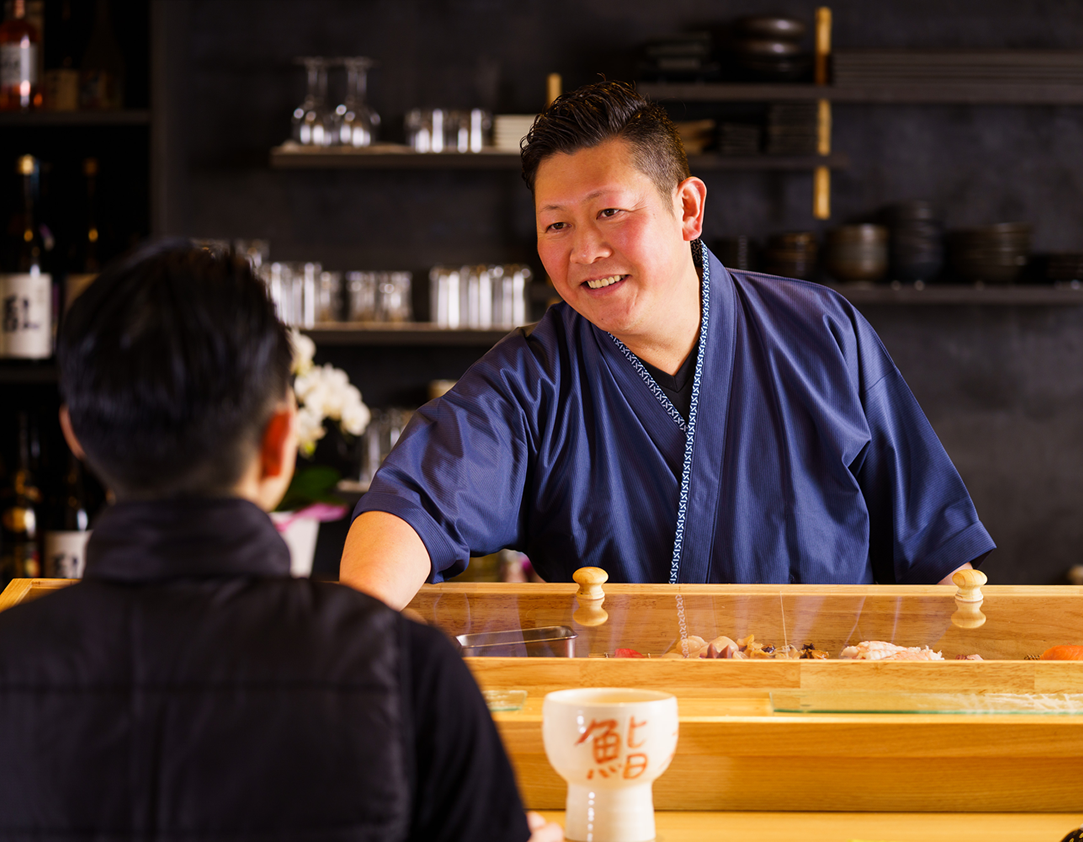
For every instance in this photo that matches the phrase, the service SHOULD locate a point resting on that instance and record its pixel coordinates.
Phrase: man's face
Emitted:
(613, 245)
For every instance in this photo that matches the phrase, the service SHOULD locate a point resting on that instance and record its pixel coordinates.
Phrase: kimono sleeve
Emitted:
(458, 472)
(922, 522)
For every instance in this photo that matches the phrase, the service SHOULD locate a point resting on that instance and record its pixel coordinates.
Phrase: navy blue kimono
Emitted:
(805, 457)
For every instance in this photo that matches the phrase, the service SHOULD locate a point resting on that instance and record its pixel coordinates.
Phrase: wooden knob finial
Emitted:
(590, 596)
(968, 598)
(590, 581)
(969, 583)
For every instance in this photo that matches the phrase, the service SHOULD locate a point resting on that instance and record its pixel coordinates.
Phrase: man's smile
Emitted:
(599, 283)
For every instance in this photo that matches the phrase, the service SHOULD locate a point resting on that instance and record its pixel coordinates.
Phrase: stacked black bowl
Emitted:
(990, 254)
(916, 241)
(734, 252)
(856, 252)
(769, 48)
(791, 255)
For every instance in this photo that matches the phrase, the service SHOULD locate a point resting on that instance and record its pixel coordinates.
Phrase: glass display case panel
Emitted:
(794, 621)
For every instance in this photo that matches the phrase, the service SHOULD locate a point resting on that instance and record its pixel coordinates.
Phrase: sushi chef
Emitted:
(670, 420)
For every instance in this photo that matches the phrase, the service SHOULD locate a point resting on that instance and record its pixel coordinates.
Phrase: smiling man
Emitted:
(670, 420)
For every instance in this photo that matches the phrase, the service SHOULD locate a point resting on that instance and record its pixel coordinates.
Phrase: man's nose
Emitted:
(590, 245)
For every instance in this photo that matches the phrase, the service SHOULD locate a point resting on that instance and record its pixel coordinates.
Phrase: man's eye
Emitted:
(555, 226)
(610, 212)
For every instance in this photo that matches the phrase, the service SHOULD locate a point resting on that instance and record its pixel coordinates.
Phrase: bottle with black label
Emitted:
(20, 550)
(26, 285)
(101, 77)
(62, 54)
(68, 529)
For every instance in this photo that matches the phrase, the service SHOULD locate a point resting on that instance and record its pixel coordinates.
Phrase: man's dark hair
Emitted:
(171, 365)
(605, 111)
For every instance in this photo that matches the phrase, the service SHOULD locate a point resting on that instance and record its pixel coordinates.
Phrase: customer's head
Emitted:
(173, 366)
(604, 111)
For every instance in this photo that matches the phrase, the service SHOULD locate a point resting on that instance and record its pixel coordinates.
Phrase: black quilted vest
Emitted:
(188, 689)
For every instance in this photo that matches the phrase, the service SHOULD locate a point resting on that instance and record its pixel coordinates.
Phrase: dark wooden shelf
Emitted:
(301, 158)
(1021, 295)
(910, 94)
(422, 334)
(388, 157)
(34, 119)
(412, 333)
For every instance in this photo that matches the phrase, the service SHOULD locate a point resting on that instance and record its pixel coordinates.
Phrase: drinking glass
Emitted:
(361, 295)
(313, 122)
(355, 120)
(393, 302)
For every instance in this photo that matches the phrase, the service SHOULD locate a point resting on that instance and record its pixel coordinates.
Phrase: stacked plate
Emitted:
(769, 48)
(792, 128)
(857, 252)
(680, 58)
(991, 254)
(696, 135)
(971, 67)
(791, 255)
(916, 241)
(1064, 266)
(510, 129)
(738, 139)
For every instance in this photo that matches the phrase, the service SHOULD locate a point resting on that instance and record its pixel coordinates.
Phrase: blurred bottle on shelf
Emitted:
(101, 78)
(20, 58)
(68, 527)
(26, 284)
(60, 80)
(85, 249)
(20, 552)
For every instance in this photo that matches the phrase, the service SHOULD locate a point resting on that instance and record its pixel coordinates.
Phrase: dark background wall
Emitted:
(1002, 384)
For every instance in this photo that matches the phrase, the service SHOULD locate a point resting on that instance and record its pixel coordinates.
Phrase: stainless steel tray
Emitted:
(544, 642)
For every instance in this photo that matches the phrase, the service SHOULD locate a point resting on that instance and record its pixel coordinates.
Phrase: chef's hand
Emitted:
(543, 831)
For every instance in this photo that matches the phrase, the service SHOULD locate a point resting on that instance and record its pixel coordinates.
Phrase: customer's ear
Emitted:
(69, 433)
(279, 446)
(277, 454)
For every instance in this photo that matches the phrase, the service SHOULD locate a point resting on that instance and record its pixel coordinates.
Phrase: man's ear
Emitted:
(69, 434)
(275, 450)
(692, 199)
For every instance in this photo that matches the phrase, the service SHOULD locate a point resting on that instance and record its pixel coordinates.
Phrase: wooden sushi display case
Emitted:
(1000, 734)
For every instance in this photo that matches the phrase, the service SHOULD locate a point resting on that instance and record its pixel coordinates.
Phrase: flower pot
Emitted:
(300, 533)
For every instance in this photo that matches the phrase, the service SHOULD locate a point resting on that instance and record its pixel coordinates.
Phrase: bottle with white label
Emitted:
(20, 61)
(26, 287)
(68, 527)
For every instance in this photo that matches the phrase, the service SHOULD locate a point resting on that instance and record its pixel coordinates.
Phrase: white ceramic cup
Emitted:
(609, 744)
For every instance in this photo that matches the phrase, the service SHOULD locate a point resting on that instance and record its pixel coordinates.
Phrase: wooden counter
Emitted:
(848, 827)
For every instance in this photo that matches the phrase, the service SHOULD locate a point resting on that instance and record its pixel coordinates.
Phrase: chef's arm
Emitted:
(385, 558)
(947, 579)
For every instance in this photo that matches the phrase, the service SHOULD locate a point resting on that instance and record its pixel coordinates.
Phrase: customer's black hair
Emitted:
(171, 365)
(594, 114)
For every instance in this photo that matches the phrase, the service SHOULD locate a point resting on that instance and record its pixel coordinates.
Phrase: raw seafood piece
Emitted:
(746, 648)
(1065, 652)
(880, 650)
